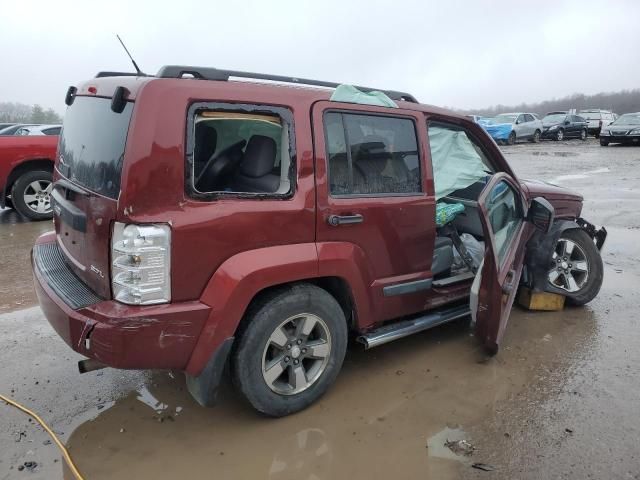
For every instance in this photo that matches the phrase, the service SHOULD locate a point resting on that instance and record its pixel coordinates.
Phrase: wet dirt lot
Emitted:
(560, 400)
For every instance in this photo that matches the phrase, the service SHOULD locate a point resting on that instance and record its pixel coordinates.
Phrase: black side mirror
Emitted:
(567, 122)
(541, 214)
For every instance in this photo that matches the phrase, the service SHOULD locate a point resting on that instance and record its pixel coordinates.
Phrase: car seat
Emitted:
(442, 255)
(256, 169)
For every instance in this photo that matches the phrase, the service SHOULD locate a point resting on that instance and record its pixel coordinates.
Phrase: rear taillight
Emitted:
(140, 263)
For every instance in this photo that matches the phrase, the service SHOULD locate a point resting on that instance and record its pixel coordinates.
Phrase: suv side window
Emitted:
(521, 118)
(240, 152)
(528, 118)
(371, 154)
(505, 216)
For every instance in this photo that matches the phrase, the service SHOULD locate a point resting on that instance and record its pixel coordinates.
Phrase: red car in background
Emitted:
(26, 166)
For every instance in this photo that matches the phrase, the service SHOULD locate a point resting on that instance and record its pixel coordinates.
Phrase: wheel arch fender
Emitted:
(540, 246)
(244, 276)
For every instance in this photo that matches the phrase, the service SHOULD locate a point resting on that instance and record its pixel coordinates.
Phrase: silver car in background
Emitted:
(524, 126)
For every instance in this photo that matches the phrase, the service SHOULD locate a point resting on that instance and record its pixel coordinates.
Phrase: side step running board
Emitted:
(404, 328)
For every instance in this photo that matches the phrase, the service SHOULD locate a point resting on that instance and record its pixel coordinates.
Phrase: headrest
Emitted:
(259, 156)
(206, 141)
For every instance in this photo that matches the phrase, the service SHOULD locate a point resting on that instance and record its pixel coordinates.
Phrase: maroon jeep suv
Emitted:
(203, 222)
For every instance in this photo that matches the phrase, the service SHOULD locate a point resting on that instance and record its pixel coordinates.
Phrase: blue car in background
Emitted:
(510, 127)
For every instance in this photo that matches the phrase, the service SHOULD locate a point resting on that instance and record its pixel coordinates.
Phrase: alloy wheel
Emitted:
(296, 354)
(570, 270)
(37, 196)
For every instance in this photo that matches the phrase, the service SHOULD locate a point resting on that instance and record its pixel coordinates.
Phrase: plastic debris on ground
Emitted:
(350, 94)
(460, 447)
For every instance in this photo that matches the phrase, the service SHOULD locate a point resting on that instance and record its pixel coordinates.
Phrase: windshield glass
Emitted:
(92, 144)
(503, 119)
(628, 119)
(554, 118)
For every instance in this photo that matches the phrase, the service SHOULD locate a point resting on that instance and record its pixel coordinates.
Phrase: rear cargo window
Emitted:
(92, 144)
(241, 153)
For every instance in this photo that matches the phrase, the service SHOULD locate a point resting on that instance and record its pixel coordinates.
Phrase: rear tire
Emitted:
(603, 142)
(536, 137)
(273, 335)
(583, 135)
(31, 195)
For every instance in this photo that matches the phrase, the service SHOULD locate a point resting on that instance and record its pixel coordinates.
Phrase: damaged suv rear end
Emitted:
(99, 261)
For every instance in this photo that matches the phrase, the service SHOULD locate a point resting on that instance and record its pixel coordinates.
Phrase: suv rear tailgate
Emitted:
(87, 186)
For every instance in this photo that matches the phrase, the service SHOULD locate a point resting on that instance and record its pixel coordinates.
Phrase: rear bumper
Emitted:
(118, 335)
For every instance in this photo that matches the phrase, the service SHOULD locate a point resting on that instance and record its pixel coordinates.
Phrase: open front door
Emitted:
(502, 212)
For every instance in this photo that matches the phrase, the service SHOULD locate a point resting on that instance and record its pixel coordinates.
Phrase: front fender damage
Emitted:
(541, 246)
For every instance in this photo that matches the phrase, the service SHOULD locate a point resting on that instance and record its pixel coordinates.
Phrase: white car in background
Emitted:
(597, 119)
(39, 130)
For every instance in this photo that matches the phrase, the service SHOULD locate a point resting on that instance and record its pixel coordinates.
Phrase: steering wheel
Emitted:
(221, 164)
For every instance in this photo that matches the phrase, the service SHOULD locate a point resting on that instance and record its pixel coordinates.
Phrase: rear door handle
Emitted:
(337, 220)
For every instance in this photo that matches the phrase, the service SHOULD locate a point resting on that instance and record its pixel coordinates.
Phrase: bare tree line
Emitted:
(14, 112)
(625, 101)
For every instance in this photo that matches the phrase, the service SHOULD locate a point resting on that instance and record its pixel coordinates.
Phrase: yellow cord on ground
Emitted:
(65, 453)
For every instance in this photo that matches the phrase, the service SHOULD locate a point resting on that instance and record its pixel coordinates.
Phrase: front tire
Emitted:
(603, 142)
(576, 267)
(512, 138)
(559, 136)
(291, 347)
(583, 135)
(31, 195)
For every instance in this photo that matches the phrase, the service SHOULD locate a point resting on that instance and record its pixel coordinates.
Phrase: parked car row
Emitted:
(28, 129)
(508, 128)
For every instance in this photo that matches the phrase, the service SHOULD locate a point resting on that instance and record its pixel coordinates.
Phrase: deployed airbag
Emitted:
(456, 163)
(350, 94)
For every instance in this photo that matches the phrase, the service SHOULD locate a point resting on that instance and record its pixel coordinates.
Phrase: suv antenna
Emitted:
(135, 65)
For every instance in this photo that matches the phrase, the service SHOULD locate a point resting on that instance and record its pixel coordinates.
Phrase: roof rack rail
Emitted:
(116, 74)
(207, 73)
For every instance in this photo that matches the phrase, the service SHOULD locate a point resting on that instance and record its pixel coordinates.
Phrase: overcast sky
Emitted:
(464, 54)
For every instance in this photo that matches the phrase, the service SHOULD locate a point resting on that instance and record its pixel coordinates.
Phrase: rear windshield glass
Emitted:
(92, 144)
(591, 115)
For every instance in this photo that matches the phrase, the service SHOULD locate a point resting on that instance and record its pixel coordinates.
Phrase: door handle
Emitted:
(337, 220)
(508, 287)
